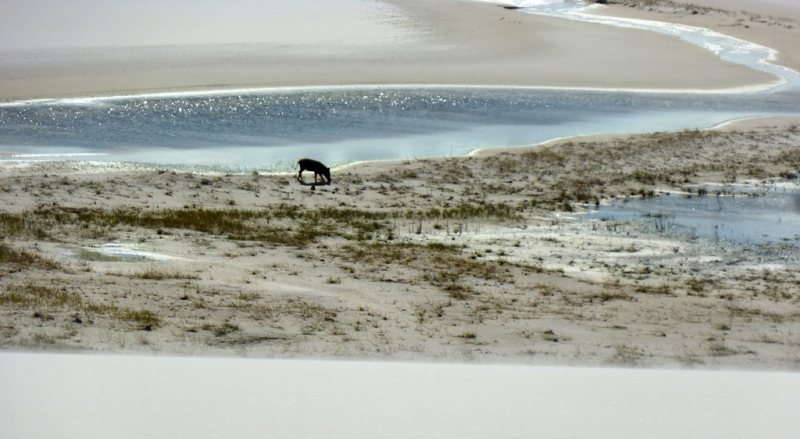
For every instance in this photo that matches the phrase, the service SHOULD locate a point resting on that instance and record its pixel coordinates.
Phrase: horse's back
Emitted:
(310, 164)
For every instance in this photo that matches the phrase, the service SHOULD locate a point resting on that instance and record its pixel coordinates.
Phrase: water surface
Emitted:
(271, 129)
(763, 215)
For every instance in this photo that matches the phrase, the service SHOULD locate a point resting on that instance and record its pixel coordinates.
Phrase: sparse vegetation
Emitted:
(156, 273)
(22, 258)
(626, 355)
(416, 263)
(141, 318)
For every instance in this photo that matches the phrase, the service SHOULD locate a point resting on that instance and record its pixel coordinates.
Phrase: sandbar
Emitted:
(454, 42)
(770, 23)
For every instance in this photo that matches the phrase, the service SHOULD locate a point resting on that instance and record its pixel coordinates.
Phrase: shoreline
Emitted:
(770, 23)
(370, 86)
(102, 167)
(781, 122)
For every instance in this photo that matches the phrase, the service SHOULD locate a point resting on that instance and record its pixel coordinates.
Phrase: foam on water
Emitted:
(726, 47)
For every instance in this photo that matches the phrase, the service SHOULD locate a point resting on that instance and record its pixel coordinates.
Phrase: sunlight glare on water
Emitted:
(260, 129)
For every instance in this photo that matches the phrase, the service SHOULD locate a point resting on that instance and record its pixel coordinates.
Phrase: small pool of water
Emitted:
(763, 215)
(120, 252)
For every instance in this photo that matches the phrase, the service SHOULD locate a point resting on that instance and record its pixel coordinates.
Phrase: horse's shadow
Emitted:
(303, 183)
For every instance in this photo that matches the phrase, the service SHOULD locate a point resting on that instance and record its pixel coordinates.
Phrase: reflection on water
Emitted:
(747, 216)
(269, 128)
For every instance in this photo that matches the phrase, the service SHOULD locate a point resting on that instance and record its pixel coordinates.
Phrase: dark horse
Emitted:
(316, 167)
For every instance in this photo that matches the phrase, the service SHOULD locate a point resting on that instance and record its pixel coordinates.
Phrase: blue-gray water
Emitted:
(271, 129)
(754, 216)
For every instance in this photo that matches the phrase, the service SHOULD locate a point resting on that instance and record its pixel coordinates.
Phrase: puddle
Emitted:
(119, 252)
(746, 215)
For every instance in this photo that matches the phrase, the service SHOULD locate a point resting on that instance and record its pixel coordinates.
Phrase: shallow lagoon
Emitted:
(268, 130)
(743, 215)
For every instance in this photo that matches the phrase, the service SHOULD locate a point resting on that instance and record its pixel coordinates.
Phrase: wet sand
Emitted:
(414, 42)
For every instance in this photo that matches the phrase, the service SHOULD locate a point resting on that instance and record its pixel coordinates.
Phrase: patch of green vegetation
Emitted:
(750, 314)
(720, 349)
(154, 273)
(465, 211)
(696, 285)
(457, 290)
(663, 289)
(143, 319)
(33, 296)
(625, 354)
(282, 225)
(443, 266)
(607, 296)
(24, 258)
(19, 225)
(220, 330)
(45, 299)
(248, 296)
